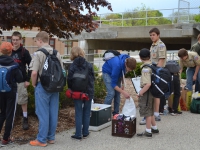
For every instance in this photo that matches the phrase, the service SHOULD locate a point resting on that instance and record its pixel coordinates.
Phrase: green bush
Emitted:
(99, 88)
(137, 71)
(131, 74)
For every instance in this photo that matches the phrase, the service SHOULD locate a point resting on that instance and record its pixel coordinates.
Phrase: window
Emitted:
(9, 39)
(52, 42)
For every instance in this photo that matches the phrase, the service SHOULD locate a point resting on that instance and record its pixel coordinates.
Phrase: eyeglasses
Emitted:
(15, 40)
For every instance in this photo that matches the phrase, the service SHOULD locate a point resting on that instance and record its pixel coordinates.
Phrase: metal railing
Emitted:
(98, 60)
(162, 16)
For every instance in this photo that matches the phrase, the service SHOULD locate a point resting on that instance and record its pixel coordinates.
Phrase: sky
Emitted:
(124, 5)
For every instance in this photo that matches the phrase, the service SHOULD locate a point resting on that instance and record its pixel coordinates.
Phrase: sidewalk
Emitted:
(176, 133)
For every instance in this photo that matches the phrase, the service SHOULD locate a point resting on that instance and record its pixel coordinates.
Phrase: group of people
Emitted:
(11, 55)
(151, 107)
(47, 103)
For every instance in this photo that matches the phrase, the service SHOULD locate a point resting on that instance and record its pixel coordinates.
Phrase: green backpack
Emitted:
(195, 106)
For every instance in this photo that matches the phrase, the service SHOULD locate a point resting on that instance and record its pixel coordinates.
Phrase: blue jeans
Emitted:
(190, 73)
(82, 117)
(112, 93)
(46, 108)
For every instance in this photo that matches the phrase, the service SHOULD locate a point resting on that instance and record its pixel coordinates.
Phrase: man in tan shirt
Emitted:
(191, 60)
(46, 103)
(158, 57)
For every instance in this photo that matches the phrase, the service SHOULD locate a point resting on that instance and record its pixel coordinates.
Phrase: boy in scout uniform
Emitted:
(158, 56)
(146, 100)
(191, 60)
(46, 104)
(196, 48)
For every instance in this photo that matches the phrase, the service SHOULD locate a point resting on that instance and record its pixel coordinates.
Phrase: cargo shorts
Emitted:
(146, 104)
(22, 94)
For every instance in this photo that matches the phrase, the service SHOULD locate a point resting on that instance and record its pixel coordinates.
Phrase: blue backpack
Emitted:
(6, 78)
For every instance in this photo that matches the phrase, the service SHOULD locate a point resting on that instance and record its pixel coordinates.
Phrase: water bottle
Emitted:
(64, 72)
(165, 112)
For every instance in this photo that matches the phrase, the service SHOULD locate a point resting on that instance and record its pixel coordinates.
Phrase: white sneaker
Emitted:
(143, 121)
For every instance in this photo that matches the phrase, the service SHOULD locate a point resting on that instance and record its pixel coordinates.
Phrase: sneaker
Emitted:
(143, 121)
(185, 88)
(154, 131)
(86, 136)
(51, 141)
(158, 118)
(161, 113)
(25, 123)
(173, 113)
(37, 143)
(76, 138)
(6, 142)
(145, 134)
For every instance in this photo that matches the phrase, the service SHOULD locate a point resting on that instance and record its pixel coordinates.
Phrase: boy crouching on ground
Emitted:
(146, 100)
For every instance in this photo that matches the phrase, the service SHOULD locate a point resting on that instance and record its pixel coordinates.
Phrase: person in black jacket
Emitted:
(82, 107)
(8, 100)
(23, 58)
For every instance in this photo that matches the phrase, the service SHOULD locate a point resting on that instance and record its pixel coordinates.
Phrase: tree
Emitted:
(57, 17)
(137, 17)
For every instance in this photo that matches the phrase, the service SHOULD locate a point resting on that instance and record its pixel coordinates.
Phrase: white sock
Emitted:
(25, 114)
(148, 130)
(156, 114)
(154, 127)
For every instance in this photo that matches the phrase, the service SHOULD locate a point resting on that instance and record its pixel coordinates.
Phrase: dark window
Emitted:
(52, 42)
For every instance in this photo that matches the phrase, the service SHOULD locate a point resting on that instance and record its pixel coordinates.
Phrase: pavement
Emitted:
(176, 133)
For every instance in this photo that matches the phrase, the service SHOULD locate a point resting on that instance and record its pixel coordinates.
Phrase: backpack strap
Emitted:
(44, 51)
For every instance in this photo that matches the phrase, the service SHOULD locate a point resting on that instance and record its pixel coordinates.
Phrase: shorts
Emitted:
(146, 106)
(22, 94)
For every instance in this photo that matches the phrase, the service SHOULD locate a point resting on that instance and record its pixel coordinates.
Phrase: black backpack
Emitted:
(80, 79)
(172, 66)
(52, 77)
(161, 80)
(110, 54)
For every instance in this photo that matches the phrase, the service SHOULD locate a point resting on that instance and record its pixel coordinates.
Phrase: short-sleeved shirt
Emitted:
(192, 60)
(158, 50)
(145, 75)
(39, 58)
(196, 48)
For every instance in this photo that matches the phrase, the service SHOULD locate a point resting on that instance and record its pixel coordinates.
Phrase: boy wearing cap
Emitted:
(146, 100)
(8, 100)
(158, 57)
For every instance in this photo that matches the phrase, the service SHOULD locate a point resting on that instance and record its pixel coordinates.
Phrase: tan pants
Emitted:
(22, 94)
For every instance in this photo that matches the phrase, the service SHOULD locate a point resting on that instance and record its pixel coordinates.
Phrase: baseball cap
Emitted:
(6, 48)
(144, 53)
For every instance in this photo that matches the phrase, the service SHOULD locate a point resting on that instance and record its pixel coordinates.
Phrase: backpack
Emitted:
(172, 66)
(110, 54)
(6, 77)
(161, 80)
(52, 77)
(195, 106)
(80, 79)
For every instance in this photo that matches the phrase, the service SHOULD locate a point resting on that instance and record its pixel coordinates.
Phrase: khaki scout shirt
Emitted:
(146, 75)
(158, 50)
(39, 58)
(192, 60)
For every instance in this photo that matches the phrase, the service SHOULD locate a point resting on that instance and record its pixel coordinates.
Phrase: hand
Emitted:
(122, 87)
(26, 84)
(194, 78)
(126, 95)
